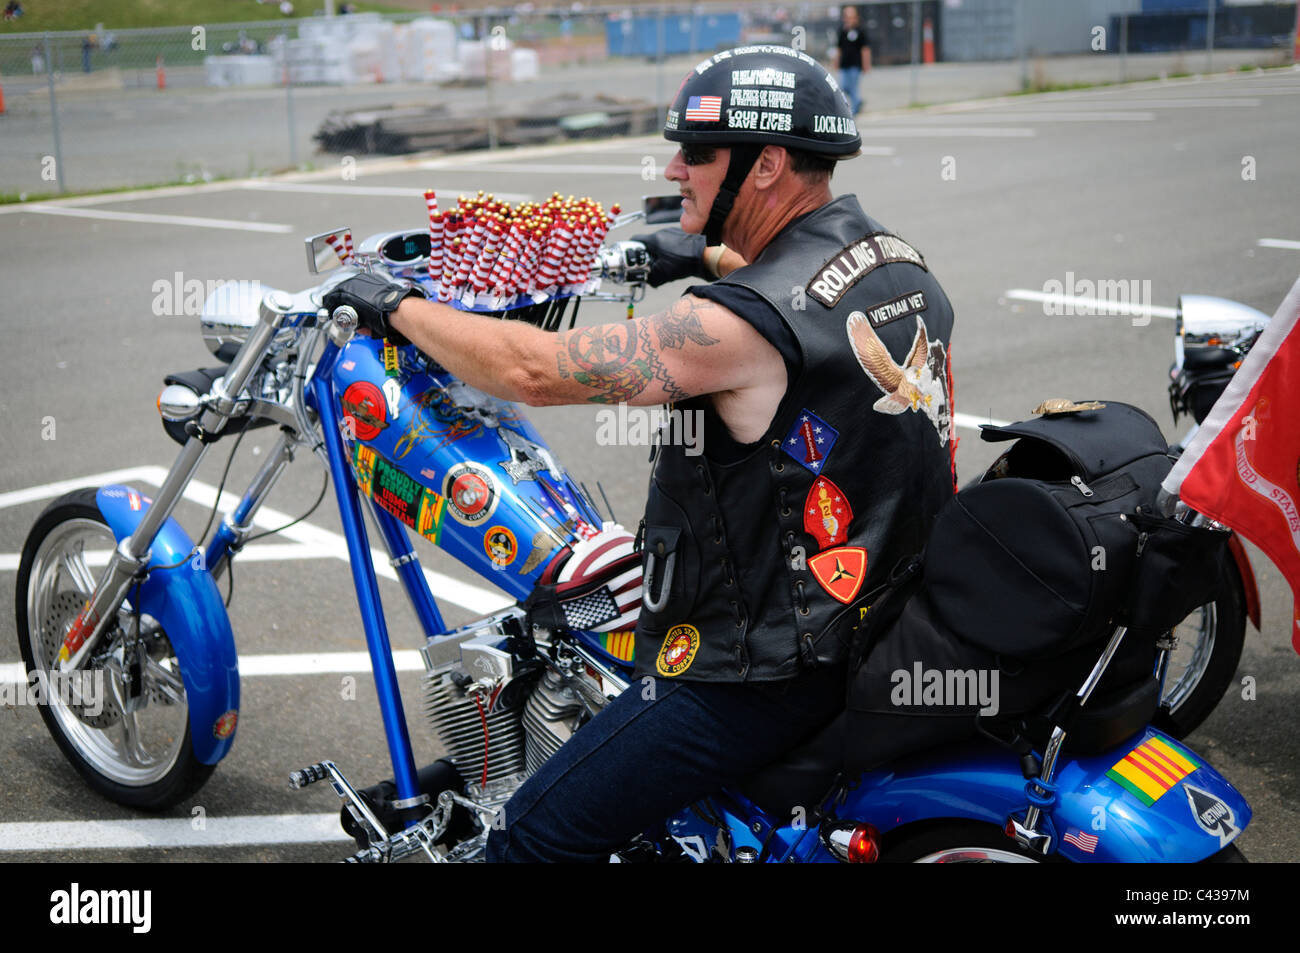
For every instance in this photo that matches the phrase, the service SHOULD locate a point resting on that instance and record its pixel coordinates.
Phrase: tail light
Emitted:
(852, 843)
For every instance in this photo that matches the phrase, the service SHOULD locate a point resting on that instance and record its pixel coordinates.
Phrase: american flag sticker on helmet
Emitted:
(704, 109)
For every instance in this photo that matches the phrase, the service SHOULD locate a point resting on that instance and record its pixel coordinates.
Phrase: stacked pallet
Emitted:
(396, 130)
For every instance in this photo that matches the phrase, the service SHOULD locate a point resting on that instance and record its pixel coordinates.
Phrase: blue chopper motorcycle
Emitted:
(420, 450)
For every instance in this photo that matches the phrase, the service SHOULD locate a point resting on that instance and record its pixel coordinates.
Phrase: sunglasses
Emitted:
(698, 155)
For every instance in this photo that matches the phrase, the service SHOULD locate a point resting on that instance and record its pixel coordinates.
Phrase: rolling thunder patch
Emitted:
(854, 262)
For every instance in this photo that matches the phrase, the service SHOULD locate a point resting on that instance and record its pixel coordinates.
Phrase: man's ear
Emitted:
(772, 163)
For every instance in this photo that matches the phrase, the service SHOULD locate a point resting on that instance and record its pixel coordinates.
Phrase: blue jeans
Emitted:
(850, 79)
(655, 749)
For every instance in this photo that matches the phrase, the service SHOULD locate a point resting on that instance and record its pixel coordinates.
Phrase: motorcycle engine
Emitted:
(500, 721)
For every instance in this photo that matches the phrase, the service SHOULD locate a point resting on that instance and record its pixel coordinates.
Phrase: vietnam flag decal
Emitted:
(1243, 466)
(840, 571)
(1151, 769)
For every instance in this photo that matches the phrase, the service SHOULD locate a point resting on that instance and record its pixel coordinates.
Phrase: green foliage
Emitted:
(41, 15)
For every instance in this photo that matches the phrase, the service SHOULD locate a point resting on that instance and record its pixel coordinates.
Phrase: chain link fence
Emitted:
(119, 108)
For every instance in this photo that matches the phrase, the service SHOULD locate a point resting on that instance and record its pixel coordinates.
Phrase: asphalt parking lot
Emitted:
(1182, 187)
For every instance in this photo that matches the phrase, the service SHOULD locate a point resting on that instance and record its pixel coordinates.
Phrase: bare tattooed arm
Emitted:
(695, 347)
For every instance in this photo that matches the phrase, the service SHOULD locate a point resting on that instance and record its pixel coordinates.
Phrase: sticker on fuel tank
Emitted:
(472, 492)
(392, 490)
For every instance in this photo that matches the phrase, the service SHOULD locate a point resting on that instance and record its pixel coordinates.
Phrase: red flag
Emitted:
(1243, 466)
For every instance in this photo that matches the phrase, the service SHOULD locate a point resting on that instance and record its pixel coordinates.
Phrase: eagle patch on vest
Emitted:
(919, 383)
(854, 262)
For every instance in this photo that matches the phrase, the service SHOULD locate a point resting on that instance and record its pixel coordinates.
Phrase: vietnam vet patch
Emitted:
(888, 311)
(854, 262)
(826, 514)
(1151, 769)
(678, 651)
(810, 441)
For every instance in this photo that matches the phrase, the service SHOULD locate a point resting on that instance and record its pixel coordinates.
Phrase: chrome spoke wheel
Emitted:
(111, 722)
(1191, 656)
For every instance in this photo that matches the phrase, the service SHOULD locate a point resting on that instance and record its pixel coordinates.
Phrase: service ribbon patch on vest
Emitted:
(920, 383)
(840, 571)
(854, 262)
(678, 651)
(826, 513)
(810, 441)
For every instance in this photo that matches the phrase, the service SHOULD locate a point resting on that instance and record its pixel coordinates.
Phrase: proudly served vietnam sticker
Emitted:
(678, 651)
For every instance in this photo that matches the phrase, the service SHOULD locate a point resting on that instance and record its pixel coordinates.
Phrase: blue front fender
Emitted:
(187, 603)
(982, 783)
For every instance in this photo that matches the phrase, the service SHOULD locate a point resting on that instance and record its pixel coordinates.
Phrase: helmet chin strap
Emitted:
(743, 158)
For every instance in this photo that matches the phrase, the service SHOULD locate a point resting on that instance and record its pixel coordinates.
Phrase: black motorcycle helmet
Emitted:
(753, 96)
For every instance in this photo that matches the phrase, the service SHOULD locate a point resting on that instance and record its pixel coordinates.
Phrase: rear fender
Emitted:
(1095, 798)
(187, 603)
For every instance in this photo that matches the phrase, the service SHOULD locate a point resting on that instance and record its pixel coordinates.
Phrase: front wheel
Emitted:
(1202, 665)
(123, 720)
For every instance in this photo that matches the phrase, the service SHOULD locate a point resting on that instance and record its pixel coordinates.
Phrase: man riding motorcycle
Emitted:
(819, 359)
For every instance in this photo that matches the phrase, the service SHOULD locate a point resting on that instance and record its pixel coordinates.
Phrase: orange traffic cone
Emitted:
(162, 74)
(927, 41)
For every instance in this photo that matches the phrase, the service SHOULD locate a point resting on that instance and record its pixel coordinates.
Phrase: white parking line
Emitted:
(1095, 305)
(1277, 243)
(296, 663)
(322, 542)
(955, 132)
(974, 422)
(41, 208)
(261, 185)
(1044, 116)
(239, 831)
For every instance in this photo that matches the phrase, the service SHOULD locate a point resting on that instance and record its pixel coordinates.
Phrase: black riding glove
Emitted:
(674, 254)
(374, 298)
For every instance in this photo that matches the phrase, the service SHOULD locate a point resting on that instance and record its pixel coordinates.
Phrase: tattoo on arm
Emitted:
(620, 360)
(681, 323)
(671, 389)
(604, 358)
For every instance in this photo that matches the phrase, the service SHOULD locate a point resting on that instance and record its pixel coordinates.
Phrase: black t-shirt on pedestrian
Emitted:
(851, 42)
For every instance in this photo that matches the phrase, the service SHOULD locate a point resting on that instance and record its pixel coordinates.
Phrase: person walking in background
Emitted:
(852, 54)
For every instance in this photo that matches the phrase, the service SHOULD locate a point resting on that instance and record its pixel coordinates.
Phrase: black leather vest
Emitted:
(774, 555)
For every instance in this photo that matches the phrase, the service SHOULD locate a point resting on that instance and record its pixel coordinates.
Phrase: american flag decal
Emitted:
(1085, 842)
(704, 109)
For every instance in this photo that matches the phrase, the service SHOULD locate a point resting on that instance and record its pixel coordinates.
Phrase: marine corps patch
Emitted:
(678, 651)
(472, 492)
(363, 403)
(810, 441)
(826, 514)
(840, 571)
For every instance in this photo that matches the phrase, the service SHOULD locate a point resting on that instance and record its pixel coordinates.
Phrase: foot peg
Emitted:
(308, 775)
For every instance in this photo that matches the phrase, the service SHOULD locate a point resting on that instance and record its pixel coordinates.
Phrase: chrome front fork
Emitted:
(130, 559)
